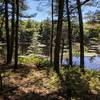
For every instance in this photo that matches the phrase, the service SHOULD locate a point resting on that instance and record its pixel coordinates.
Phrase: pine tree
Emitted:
(7, 31)
(16, 34)
(58, 36)
(69, 33)
(81, 35)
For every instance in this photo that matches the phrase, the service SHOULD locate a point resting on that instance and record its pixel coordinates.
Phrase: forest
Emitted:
(51, 58)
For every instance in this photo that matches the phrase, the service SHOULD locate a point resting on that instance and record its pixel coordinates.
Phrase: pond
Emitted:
(90, 62)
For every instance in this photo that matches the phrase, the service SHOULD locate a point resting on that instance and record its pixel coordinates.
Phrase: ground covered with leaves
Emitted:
(29, 82)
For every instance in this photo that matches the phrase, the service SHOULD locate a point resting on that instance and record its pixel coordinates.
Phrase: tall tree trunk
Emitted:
(81, 35)
(69, 33)
(58, 36)
(12, 29)
(7, 31)
(51, 47)
(16, 34)
(1, 26)
(62, 51)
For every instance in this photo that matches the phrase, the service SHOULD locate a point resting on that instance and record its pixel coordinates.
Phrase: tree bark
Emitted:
(81, 35)
(12, 30)
(58, 36)
(69, 33)
(51, 47)
(7, 31)
(62, 51)
(16, 34)
(1, 26)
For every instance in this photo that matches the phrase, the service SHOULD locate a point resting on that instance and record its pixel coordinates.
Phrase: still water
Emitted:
(90, 62)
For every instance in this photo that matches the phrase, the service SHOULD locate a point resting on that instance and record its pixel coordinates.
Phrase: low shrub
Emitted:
(39, 62)
(77, 84)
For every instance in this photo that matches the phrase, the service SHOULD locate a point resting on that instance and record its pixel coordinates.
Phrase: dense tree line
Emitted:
(33, 45)
(65, 26)
(77, 7)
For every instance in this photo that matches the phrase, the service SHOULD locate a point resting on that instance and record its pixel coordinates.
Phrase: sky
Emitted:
(44, 11)
(34, 7)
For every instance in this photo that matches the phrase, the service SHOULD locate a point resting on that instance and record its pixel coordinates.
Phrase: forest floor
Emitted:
(28, 83)
(31, 83)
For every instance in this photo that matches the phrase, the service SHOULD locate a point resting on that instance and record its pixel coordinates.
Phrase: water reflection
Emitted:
(92, 58)
(90, 62)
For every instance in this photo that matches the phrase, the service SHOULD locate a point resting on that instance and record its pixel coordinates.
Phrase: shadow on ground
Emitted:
(57, 96)
(72, 85)
(23, 70)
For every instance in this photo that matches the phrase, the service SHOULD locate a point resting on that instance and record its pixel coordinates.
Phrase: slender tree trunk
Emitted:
(81, 35)
(1, 26)
(69, 33)
(12, 29)
(16, 34)
(62, 51)
(7, 31)
(51, 47)
(58, 36)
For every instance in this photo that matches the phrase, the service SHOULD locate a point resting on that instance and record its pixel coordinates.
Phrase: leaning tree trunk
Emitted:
(16, 34)
(58, 36)
(51, 46)
(81, 35)
(12, 29)
(7, 31)
(69, 33)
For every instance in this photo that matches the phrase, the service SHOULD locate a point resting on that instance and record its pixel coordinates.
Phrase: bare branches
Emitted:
(81, 5)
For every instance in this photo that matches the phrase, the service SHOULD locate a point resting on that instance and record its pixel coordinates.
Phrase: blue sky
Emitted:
(44, 11)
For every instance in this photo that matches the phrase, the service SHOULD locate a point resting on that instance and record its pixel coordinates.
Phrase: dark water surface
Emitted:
(90, 62)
